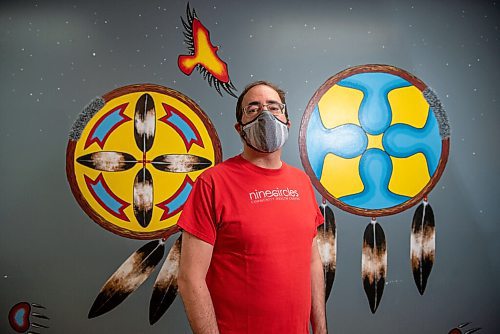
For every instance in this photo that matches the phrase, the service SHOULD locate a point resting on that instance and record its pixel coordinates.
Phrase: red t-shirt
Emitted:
(261, 223)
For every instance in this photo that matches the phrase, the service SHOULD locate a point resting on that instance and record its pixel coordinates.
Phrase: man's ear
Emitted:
(237, 127)
(288, 123)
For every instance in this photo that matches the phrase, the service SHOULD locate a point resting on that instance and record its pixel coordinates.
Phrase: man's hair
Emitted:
(239, 107)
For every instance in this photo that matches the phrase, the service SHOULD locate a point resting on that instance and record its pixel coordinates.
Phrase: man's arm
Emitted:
(196, 255)
(318, 316)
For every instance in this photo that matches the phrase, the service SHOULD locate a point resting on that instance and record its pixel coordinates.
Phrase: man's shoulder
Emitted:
(296, 171)
(220, 169)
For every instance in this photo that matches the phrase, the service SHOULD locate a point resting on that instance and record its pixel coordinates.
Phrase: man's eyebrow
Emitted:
(256, 103)
(272, 101)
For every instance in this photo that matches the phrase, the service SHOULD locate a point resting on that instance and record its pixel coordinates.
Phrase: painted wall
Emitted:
(58, 55)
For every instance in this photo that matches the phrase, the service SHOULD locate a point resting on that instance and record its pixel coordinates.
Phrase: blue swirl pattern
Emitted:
(351, 140)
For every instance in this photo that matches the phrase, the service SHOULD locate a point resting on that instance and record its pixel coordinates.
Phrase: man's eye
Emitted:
(274, 107)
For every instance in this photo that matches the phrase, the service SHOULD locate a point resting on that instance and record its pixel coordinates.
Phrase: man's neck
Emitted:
(260, 159)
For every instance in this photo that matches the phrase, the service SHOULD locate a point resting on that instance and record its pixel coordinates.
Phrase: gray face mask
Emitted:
(265, 133)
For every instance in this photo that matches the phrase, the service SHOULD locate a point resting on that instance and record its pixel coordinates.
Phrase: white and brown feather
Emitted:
(374, 263)
(165, 288)
(327, 246)
(180, 163)
(422, 245)
(144, 122)
(108, 161)
(143, 197)
(128, 277)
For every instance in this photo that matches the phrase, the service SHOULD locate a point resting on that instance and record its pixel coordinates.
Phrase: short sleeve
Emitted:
(198, 215)
(319, 219)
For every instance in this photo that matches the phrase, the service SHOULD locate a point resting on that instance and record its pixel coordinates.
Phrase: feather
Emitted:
(472, 330)
(143, 197)
(457, 330)
(327, 246)
(84, 117)
(422, 241)
(108, 161)
(39, 315)
(180, 163)
(374, 263)
(437, 108)
(144, 122)
(128, 277)
(38, 306)
(165, 288)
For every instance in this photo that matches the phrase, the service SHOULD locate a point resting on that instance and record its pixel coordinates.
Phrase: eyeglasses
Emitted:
(274, 108)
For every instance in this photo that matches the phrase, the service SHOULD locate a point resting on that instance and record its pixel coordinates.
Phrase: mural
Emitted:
(131, 160)
(374, 140)
(203, 55)
(21, 314)
(57, 56)
(462, 327)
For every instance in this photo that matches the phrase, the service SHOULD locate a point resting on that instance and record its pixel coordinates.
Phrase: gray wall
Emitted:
(56, 56)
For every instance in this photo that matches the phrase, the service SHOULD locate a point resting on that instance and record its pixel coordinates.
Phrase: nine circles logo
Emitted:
(276, 194)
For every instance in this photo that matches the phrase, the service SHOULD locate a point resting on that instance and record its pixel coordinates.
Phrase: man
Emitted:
(249, 260)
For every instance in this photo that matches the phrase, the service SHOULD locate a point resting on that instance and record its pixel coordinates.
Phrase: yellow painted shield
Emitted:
(133, 156)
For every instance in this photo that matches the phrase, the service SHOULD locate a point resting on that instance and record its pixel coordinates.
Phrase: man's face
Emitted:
(260, 94)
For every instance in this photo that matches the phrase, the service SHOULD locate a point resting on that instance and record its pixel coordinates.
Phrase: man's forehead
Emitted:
(260, 92)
